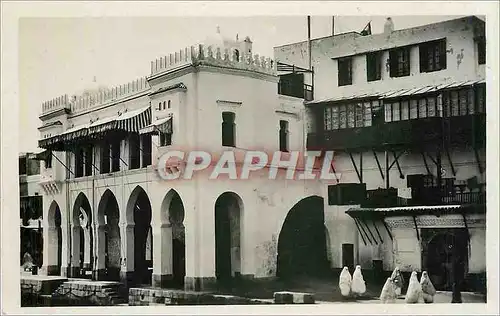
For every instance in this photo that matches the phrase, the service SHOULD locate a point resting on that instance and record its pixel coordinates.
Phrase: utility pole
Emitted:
(333, 25)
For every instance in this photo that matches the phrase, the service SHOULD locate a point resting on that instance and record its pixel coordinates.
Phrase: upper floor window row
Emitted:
(432, 57)
(164, 105)
(458, 102)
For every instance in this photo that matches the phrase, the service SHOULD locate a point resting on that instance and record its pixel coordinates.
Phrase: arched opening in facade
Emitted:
(302, 249)
(446, 257)
(54, 240)
(82, 238)
(108, 238)
(173, 213)
(139, 207)
(228, 215)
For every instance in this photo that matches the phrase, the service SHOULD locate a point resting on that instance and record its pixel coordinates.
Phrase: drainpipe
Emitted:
(309, 40)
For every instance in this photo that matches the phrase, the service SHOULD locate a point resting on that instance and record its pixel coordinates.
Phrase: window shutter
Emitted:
(423, 57)
(442, 47)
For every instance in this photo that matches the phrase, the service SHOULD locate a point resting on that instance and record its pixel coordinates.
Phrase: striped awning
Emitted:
(133, 121)
(163, 125)
(129, 121)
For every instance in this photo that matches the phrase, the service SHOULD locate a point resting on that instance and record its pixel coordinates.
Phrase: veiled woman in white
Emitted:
(428, 290)
(358, 286)
(397, 279)
(414, 292)
(345, 281)
(388, 294)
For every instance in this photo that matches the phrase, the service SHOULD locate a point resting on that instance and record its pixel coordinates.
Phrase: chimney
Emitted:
(388, 26)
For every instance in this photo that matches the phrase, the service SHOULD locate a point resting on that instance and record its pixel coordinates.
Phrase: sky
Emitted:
(62, 55)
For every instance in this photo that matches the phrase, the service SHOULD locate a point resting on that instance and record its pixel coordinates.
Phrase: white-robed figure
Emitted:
(428, 290)
(358, 286)
(397, 279)
(345, 281)
(414, 292)
(388, 294)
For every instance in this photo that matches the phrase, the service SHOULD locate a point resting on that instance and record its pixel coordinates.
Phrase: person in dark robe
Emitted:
(458, 273)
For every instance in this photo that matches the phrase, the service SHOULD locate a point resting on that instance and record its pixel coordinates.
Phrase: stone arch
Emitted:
(172, 231)
(302, 248)
(139, 214)
(228, 227)
(81, 236)
(108, 238)
(54, 240)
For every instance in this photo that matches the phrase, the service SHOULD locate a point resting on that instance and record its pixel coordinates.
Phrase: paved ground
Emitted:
(441, 297)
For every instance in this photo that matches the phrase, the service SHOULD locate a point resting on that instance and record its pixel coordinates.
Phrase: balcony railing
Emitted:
(457, 130)
(389, 198)
(289, 89)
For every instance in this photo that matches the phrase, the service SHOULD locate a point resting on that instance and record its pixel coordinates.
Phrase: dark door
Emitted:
(348, 256)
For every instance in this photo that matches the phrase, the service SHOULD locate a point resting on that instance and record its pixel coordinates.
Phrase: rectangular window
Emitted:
(22, 166)
(470, 101)
(79, 163)
(283, 137)
(481, 98)
(368, 114)
(335, 117)
(422, 108)
(328, 118)
(399, 59)
(481, 51)
(404, 110)
(48, 160)
(343, 116)
(165, 139)
(446, 104)
(395, 112)
(344, 71)
(374, 66)
(439, 105)
(89, 163)
(228, 129)
(433, 56)
(462, 94)
(431, 107)
(388, 112)
(359, 114)
(413, 109)
(147, 147)
(454, 103)
(134, 152)
(350, 115)
(105, 156)
(115, 156)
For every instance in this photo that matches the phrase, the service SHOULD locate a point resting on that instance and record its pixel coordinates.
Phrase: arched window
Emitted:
(168, 104)
(237, 54)
(283, 135)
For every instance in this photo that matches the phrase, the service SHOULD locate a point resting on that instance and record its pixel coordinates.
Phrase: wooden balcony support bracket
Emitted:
(334, 172)
(416, 227)
(466, 227)
(369, 230)
(364, 231)
(396, 161)
(453, 171)
(479, 166)
(425, 163)
(378, 232)
(359, 171)
(378, 164)
(387, 229)
(359, 230)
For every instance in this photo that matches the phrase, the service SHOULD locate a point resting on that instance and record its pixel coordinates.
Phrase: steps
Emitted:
(80, 291)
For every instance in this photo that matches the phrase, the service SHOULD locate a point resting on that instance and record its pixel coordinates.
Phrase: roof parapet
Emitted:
(216, 56)
(61, 102)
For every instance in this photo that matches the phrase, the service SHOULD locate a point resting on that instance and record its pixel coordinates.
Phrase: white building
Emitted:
(405, 113)
(103, 193)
